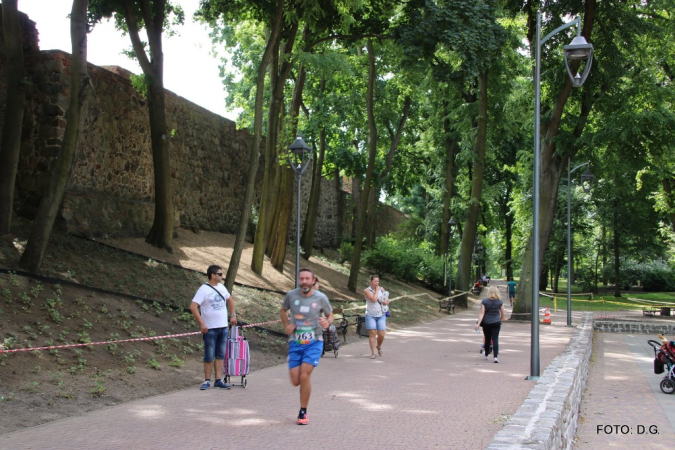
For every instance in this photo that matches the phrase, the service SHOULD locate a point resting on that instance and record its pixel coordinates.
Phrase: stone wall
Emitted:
(665, 327)
(548, 417)
(111, 189)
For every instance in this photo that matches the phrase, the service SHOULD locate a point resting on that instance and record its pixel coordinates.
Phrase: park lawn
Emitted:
(609, 302)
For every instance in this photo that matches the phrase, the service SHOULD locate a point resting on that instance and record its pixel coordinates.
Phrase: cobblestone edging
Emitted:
(617, 326)
(548, 417)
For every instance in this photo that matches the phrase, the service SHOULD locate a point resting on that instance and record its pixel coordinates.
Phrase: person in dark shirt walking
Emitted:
(490, 318)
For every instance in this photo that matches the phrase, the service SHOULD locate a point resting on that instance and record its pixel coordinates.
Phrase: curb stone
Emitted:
(547, 419)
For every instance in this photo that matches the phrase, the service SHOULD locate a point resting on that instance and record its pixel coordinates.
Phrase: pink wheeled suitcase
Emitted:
(237, 360)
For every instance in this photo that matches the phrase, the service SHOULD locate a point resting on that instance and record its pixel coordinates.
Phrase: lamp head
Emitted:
(587, 180)
(578, 50)
(299, 147)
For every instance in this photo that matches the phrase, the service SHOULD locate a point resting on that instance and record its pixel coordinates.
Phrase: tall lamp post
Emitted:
(451, 230)
(586, 182)
(578, 50)
(299, 158)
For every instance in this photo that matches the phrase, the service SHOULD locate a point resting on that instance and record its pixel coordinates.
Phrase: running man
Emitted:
(305, 334)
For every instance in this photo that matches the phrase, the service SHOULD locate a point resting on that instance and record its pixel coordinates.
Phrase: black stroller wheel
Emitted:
(667, 385)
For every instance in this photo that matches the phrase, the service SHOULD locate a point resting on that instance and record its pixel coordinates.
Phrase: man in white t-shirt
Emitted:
(209, 307)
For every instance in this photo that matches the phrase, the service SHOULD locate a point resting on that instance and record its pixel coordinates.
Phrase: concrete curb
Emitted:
(548, 417)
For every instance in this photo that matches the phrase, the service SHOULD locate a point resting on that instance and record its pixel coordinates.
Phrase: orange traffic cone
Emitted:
(547, 317)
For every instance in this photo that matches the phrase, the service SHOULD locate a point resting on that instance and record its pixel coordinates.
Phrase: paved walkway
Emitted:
(431, 389)
(623, 390)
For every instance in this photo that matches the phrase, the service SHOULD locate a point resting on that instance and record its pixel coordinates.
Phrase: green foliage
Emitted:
(658, 276)
(406, 261)
(346, 251)
(654, 276)
(140, 84)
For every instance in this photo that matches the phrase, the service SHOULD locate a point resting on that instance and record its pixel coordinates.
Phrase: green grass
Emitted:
(607, 302)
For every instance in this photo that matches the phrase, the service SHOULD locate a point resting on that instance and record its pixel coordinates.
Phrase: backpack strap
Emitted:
(217, 291)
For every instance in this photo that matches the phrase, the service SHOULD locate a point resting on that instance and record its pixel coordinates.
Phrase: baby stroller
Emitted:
(664, 362)
(331, 341)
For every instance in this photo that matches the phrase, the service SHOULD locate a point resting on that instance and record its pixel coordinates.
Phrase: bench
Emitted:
(476, 290)
(341, 323)
(650, 311)
(447, 304)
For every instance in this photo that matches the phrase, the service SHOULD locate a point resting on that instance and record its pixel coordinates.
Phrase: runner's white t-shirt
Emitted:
(213, 306)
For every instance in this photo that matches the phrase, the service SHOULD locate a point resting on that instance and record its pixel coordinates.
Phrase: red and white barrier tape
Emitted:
(53, 347)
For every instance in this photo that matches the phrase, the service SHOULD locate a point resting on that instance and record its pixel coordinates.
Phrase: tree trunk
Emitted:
(605, 256)
(470, 227)
(617, 263)
(276, 104)
(282, 220)
(153, 15)
(371, 221)
(372, 153)
(286, 197)
(552, 167)
(10, 145)
(80, 83)
(450, 147)
(161, 233)
(371, 225)
(508, 236)
(357, 191)
(254, 152)
(668, 189)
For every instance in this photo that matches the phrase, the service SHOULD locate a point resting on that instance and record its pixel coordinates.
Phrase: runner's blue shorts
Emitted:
(304, 353)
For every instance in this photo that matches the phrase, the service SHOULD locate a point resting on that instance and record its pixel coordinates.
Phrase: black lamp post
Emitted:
(299, 158)
(586, 182)
(578, 50)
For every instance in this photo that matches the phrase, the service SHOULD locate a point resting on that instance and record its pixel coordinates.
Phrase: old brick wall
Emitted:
(111, 189)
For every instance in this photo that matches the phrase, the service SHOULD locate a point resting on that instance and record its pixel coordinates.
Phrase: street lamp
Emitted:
(577, 51)
(451, 224)
(586, 182)
(299, 158)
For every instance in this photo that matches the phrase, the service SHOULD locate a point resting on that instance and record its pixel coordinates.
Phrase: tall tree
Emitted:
(10, 144)
(212, 12)
(471, 223)
(80, 86)
(553, 160)
(372, 153)
(132, 16)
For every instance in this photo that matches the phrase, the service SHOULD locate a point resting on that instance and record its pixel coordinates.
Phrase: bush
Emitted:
(346, 251)
(655, 276)
(658, 277)
(406, 261)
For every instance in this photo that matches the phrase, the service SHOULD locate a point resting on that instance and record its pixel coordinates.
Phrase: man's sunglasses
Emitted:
(219, 274)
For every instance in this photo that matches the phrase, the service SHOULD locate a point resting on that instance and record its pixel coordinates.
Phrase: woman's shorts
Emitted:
(376, 323)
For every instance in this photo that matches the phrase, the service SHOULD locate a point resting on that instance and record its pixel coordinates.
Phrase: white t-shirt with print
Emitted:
(213, 306)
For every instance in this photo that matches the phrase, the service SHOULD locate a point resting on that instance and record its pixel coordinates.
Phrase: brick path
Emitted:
(623, 390)
(431, 389)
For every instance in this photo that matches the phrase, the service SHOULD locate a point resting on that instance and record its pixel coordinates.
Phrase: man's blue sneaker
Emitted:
(206, 385)
(221, 384)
